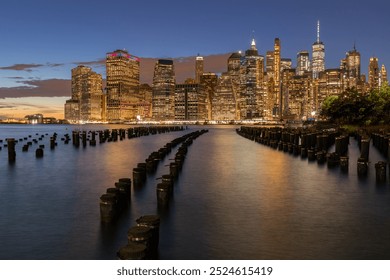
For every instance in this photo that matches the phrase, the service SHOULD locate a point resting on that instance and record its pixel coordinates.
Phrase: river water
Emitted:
(234, 199)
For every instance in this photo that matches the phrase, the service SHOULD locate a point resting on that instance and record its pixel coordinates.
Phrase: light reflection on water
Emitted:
(234, 199)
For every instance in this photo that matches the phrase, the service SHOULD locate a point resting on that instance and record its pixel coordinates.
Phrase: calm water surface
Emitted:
(234, 199)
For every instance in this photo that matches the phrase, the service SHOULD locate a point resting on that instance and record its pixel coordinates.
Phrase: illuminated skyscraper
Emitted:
(234, 63)
(122, 86)
(208, 83)
(318, 57)
(285, 63)
(190, 102)
(353, 64)
(86, 101)
(277, 64)
(269, 63)
(373, 73)
(164, 90)
(198, 68)
(250, 100)
(303, 63)
(297, 95)
(350, 67)
(330, 82)
(224, 101)
(383, 76)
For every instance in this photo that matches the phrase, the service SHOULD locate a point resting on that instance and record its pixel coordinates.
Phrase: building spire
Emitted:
(253, 44)
(318, 31)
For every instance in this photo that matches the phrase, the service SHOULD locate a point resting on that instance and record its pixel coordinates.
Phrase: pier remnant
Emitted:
(11, 149)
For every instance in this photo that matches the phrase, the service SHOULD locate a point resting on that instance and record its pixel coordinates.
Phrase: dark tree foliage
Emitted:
(352, 107)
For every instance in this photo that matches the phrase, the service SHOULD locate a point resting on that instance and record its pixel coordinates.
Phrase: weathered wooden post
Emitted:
(380, 168)
(124, 186)
(344, 163)
(153, 223)
(39, 152)
(365, 149)
(162, 191)
(139, 175)
(174, 169)
(142, 235)
(132, 251)
(362, 166)
(11, 149)
(52, 143)
(108, 207)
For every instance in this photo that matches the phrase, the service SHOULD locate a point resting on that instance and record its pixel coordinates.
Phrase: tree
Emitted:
(352, 107)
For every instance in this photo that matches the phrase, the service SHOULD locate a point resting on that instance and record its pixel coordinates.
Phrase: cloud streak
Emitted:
(39, 88)
(22, 67)
(30, 67)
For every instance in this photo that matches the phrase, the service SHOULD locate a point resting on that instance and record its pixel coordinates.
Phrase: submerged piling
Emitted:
(380, 168)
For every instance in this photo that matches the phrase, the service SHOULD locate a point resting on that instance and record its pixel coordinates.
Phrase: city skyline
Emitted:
(33, 66)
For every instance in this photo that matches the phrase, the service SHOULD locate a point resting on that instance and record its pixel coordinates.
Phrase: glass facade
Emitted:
(122, 86)
(87, 92)
(164, 90)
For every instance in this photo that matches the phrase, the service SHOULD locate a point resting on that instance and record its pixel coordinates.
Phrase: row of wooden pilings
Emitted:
(143, 238)
(83, 137)
(381, 141)
(113, 135)
(11, 145)
(112, 203)
(164, 189)
(314, 145)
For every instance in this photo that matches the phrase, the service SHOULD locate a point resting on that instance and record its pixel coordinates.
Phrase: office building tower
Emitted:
(163, 90)
(303, 63)
(224, 101)
(72, 110)
(122, 84)
(198, 68)
(297, 95)
(234, 63)
(190, 103)
(236, 70)
(353, 64)
(373, 73)
(350, 67)
(383, 76)
(86, 102)
(277, 71)
(318, 55)
(285, 63)
(269, 63)
(208, 84)
(250, 103)
(330, 82)
(144, 105)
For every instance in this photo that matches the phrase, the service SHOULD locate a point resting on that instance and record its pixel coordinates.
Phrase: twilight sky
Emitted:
(42, 40)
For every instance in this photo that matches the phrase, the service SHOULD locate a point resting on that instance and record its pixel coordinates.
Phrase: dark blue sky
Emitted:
(49, 37)
(43, 31)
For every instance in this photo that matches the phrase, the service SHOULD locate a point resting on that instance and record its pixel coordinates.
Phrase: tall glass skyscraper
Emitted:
(122, 86)
(303, 63)
(164, 90)
(87, 91)
(198, 68)
(318, 57)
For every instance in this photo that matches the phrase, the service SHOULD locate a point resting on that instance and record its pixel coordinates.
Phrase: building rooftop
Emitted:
(165, 61)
